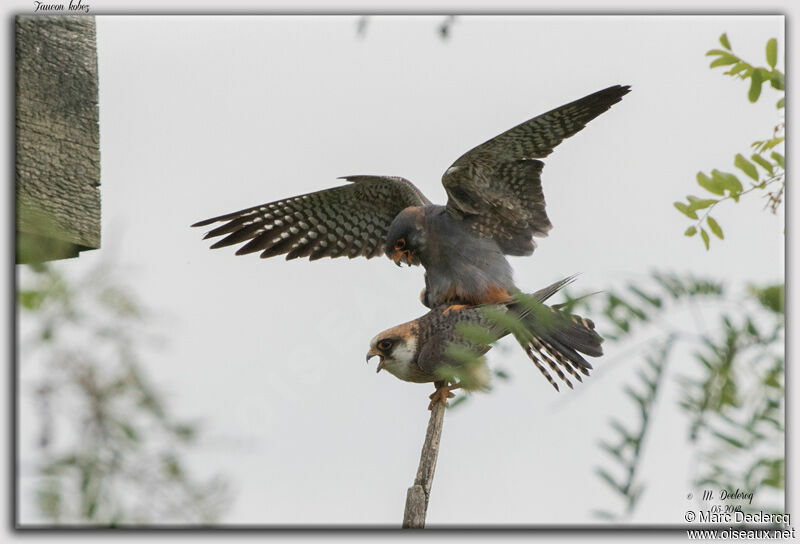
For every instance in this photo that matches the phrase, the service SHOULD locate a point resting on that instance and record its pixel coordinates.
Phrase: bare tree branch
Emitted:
(419, 494)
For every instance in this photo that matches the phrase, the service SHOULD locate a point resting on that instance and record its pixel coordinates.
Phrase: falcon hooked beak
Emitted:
(403, 256)
(396, 349)
(374, 353)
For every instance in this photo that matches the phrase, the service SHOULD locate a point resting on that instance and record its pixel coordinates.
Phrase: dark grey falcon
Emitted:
(436, 347)
(495, 207)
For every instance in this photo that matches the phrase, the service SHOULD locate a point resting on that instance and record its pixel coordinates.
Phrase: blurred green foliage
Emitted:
(627, 446)
(732, 397)
(765, 165)
(109, 451)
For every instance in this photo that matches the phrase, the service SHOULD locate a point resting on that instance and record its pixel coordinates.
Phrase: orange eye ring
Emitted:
(400, 244)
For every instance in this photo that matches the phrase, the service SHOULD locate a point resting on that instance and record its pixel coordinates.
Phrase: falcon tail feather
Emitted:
(554, 339)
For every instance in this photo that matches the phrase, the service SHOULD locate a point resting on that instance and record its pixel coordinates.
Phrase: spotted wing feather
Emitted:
(350, 220)
(496, 186)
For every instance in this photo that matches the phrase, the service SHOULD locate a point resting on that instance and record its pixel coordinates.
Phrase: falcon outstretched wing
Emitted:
(349, 220)
(496, 187)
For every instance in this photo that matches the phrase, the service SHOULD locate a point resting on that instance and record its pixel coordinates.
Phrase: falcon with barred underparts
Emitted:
(447, 348)
(495, 207)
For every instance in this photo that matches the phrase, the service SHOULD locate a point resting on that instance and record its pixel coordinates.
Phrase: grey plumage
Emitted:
(460, 268)
(495, 207)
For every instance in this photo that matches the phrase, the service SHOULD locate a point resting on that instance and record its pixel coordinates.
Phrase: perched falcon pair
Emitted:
(437, 347)
(495, 207)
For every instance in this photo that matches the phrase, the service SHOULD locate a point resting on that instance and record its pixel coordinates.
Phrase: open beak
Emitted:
(372, 353)
(402, 257)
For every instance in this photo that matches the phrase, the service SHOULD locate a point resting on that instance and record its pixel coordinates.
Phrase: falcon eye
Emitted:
(385, 345)
(400, 244)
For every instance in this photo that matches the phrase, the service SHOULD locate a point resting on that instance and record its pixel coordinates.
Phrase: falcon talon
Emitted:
(454, 308)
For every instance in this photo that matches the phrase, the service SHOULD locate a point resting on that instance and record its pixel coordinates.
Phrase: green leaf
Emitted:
(634, 496)
(715, 228)
(699, 203)
(777, 157)
(729, 439)
(501, 318)
(724, 41)
(751, 328)
(49, 499)
(724, 60)
(617, 426)
(710, 185)
(740, 67)
(772, 297)
(129, 430)
(684, 209)
(781, 103)
(769, 144)
(609, 479)
(612, 450)
(728, 181)
(772, 52)
(636, 397)
(745, 166)
(475, 333)
(777, 80)
(171, 466)
(185, 431)
(762, 162)
(704, 235)
(647, 381)
(460, 354)
(756, 79)
(652, 300)
(30, 299)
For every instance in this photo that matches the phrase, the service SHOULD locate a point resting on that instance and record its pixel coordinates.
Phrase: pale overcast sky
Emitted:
(205, 115)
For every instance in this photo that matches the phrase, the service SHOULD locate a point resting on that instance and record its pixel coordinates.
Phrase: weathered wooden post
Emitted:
(57, 138)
